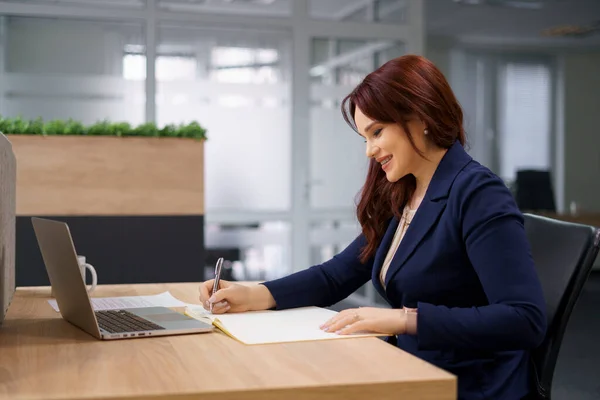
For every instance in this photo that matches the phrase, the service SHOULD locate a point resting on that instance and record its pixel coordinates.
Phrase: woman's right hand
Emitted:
(233, 297)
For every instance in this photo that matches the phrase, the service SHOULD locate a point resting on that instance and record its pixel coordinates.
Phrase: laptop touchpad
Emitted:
(167, 317)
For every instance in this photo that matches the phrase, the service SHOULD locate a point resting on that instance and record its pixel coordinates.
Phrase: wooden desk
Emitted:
(44, 357)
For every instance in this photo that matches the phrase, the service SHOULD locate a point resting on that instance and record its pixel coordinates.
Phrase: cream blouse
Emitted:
(405, 220)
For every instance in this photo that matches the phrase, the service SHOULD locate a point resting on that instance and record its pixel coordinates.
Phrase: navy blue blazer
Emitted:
(465, 263)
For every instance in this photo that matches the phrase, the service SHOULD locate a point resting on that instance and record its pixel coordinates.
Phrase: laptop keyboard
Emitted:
(116, 321)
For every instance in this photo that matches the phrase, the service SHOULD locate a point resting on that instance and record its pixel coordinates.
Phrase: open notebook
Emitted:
(262, 327)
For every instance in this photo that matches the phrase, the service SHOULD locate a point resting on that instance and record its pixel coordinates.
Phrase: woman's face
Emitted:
(388, 144)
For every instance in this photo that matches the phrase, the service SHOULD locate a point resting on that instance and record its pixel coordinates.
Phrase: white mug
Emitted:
(82, 267)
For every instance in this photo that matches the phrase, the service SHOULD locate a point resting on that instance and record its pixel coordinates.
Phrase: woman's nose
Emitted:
(371, 150)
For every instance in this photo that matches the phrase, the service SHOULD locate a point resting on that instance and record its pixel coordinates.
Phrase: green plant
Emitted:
(147, 129)
(55, 127)
(192, 130)
(5, 125)
(20, 126)
(36, 127)
(120, 129)
(169, 131)
(100, 128)
(75, 128)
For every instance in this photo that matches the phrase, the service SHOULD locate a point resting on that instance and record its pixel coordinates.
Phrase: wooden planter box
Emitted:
(134, 205)
(100, 175)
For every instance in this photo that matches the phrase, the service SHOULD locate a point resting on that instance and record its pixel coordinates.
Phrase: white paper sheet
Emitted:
(261, 327)
(164, 299)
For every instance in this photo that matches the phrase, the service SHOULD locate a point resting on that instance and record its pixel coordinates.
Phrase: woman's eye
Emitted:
(377, 132)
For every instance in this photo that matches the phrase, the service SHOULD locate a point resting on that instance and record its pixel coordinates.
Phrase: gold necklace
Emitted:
(405, 222)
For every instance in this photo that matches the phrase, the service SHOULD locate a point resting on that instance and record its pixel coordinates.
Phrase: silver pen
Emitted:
(217, 278)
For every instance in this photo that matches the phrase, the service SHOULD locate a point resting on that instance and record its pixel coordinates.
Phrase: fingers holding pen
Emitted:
(220, 307)
(205, 289)
(218, 301)
(230, 297)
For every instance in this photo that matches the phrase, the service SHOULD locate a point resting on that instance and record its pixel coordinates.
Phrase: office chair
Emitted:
(564, 254)
(533, 191)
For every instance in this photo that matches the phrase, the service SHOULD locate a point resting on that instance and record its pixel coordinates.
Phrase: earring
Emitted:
(426, 132)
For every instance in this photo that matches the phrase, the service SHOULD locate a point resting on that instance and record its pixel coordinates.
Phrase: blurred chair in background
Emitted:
(534, 191)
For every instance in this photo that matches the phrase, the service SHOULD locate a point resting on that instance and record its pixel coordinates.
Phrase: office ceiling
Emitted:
(514, 21)
(500, 22)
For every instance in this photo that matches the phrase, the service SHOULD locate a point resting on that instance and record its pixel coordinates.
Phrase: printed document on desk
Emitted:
(164, 299)
(262, 327)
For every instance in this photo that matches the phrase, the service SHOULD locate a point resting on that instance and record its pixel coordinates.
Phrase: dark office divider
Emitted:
(123, 249)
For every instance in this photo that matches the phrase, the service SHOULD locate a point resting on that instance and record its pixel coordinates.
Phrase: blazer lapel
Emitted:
(382, 251)
(426, 217)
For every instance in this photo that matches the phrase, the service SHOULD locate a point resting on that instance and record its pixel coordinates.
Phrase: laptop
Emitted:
(60, 258)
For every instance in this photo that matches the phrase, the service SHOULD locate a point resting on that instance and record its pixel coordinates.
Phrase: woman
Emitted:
(442, 240)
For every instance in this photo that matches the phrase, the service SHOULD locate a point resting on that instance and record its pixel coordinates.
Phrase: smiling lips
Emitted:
(384, 161)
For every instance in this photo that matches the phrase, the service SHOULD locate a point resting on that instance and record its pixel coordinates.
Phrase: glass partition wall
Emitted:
(265, 77)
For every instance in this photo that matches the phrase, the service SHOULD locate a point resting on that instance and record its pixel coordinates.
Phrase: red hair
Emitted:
(405, 86)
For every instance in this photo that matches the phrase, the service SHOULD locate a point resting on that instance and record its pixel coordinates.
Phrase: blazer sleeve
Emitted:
(497, 247)
(325, 284)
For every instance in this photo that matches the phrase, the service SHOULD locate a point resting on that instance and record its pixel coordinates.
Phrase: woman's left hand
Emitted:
(367, 319)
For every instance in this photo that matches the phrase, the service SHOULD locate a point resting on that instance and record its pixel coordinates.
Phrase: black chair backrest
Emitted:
(564, 254)
(534, 191)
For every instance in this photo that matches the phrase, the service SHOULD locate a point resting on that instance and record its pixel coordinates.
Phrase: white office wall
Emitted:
(337, 154)
(468, 82)
(581, 79)
(241, 93)
(463, 75)
(437, 50)
(66, 68)
(48, 46)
